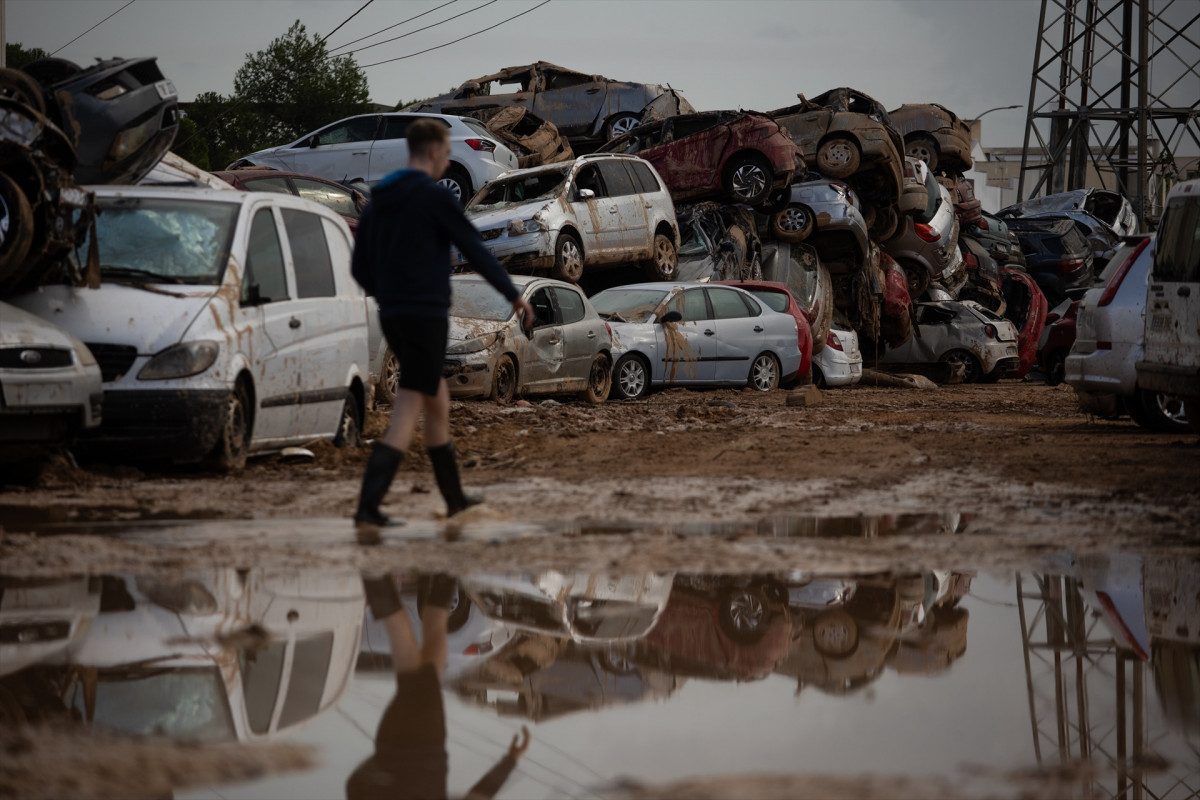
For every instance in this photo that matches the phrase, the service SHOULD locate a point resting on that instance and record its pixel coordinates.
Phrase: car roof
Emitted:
(231, 175)
(666, 286)
(175, 192)
(564, 164)
(777, 286)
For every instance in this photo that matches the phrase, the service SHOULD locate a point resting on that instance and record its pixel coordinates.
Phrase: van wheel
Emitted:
(599, 380)
(233, 444)
(1160, 412)
(568, 259)
(663, 264)
(349, 430)
(838, 157)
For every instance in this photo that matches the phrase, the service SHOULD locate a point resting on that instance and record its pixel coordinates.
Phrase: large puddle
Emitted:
(994, 684)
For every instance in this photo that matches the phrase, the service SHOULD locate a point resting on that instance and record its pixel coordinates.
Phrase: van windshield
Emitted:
(540, 185)
(161, 240)
(1178, 256)
(175, 702)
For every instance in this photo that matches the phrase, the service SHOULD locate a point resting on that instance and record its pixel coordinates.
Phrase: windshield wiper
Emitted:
(114, 271)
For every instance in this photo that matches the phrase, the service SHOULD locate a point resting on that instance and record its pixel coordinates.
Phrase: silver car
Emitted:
(839, 363)
(595, 210)
(826, 213)
(924, 244)
(960, 333)
(688, 334)
(490, 355)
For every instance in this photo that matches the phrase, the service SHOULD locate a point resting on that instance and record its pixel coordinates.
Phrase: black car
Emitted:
(1057, 256)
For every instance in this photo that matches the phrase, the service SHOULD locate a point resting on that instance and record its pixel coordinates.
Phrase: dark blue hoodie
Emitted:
(402, 248)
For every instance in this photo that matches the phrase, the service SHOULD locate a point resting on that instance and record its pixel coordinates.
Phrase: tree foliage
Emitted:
(17, 55)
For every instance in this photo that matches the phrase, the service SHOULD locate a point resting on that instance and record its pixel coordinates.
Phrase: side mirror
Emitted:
(253, 295)
(586, 194)
(670, 316)
(312, 142)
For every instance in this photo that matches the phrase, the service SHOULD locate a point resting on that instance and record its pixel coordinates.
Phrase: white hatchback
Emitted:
(225, 323)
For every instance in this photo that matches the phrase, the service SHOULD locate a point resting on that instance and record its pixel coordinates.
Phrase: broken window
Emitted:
(529, 187)
(164, 240)
(310, 254)
(264, 261)
(543, 309)
(564, 80)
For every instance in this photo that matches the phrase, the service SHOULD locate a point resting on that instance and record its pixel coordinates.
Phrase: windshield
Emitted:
(776, 301)
(628, 305)
(179, 703)
(540, 185)
(476, 299)
(159, 240)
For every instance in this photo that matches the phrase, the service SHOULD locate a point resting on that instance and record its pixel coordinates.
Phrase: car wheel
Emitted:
(793, 224)
(15, 85)
(631, 378)
(458, 182)
(349, 430)
(748, 179)
(971, 369)
(504, 380)
(744, 614)
(620, 125)
(764, 373)
(838, 157)
(664, 260)
(568, 259)
(599, 380)
(835, 633)
(1163, 413)
(16, 228)
(917, 278)
(924, 148)
(1055, 367)
(389, 379)
(885, 224)
(233, 442)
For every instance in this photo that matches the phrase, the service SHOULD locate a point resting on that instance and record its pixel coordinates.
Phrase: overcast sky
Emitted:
(969, 55)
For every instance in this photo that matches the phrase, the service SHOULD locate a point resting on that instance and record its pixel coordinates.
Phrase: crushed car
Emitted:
(960, 333)
(719, 242)
(598, 210)
(934, 134)
(489, 355)
(800, 268)
(736, 156)
(1024, 307)
(535, 141)
(924, 243)
(1111, 208)
(587, 109)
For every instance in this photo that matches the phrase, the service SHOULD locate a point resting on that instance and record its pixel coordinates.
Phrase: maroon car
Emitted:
(737, 156)
(337, 198)
(1025, 307)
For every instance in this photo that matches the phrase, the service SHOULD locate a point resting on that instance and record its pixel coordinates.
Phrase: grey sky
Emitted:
(967, 55)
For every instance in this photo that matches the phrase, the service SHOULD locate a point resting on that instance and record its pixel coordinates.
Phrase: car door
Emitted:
(633, 238)
(596, 215)
(688, 348)
(541, 361)
(580, 335)
(740, 333)
(339, 152)
(389, 150)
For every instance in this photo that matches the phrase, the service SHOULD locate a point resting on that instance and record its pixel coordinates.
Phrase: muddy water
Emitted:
(1079, 680)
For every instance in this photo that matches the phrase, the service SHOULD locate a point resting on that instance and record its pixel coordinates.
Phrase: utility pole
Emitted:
(3, 38)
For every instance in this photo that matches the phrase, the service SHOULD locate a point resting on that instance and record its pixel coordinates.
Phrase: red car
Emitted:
(737, 156)
(895, 326)
(1025, 307)
(1060, 336)
(337, 198)
(777, 297)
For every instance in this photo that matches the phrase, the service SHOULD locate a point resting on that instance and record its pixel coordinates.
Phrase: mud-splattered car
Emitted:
(696, 335)
(800, 268)
(925, 242)
(489, 355)
(587, 109)
(597, 210)
(840, 362)
(737, 156)
(960, 333)
(1111, 208)
(778, 297)
(934, 134)
(535, 141)
(829, 214)
(719, 242)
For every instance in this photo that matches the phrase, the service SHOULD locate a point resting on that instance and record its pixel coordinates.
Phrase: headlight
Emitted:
(127, 142)
(473, 345)
(519, 226)
(180, 361)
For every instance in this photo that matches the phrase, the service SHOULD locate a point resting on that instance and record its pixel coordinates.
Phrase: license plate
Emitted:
(166, 90)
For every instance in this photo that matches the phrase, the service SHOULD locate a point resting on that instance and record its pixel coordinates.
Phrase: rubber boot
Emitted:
(445, 470)
(381, 468)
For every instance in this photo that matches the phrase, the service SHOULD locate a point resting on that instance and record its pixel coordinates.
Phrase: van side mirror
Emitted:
(253, 296)
(586, 194)
(670, 316)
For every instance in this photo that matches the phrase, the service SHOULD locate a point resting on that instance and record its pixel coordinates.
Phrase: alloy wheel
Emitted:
(747, 612)
(764, 374)
(632, 378)
(749, 180)
(793, 218)
(1172, 407)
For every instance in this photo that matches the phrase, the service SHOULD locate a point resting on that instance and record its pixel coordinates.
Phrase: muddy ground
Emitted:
(1025, 471)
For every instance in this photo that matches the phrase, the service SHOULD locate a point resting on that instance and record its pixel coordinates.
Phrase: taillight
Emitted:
(927, 233)
(1110, 291)
(1070, 264)
(486, 145)
(608, 328)
(833, 341)
(982, 224)
(989, 331)
(970, 261)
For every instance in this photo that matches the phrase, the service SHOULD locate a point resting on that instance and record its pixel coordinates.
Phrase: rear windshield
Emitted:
(776, 301)
(1115, 263)
(540, 185)
(1178, 256)
(160, 240)
(628, 305)
(476, 299)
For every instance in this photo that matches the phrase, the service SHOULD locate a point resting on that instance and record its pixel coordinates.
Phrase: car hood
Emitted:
(491, 216)
(23, 329)
(119, 314)
(463, 328)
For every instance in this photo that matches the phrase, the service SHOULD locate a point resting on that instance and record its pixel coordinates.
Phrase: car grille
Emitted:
(34, 357)
(114, 359)
(494, 233)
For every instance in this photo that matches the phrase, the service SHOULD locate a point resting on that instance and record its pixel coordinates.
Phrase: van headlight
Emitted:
(180, 361)
(473, 345)
(519, 226)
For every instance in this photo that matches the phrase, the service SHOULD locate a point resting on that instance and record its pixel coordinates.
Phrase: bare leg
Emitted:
(437, 416)
(433, 638)
(406, 409)
(406, 655)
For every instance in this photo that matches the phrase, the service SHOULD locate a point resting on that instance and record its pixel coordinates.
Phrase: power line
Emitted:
(456, 41)
(347, 19)
(398, 24)
(410, 33)
(89, 30)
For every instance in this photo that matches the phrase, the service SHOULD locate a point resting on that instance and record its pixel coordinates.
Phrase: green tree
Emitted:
(225, 130)
(189, 146)
(16, 55)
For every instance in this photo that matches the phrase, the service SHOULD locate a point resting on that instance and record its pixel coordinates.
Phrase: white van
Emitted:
(225, 323)
(1171, 361)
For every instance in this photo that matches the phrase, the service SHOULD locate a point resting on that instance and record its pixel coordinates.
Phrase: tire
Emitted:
(1161, 413)
(458, 182)
(389, 379)
(924, 148)
(838, 157)
(748, 178)
(568, 259)
(1055, 367)
(504, 380)
(16, 228)
(744, 614)
(599, 380)
(835, 633)
(885, 224)
(631, 378)
(917, 278)
(971, 369)
(349, 430)
(17, 86)
(663, 264)
(793, 224)
(620, 125)
(764, 373)
(233, 443)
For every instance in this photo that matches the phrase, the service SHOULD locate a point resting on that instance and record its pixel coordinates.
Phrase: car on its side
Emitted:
(1024, 307)
(226, 323)
(960, 333)
(489, 354)
(734, 156)
(50, 387)
(800, 268)
(696, 335)
(339, 199)
(598, 210)
(924, 244)
(1056, 255)
(587, 109)
(779, 298)
(369, 146)
(840, 362)
(934, 134)
(1111, 208)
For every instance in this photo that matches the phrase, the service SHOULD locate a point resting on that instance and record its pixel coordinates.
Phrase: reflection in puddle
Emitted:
(416, 685)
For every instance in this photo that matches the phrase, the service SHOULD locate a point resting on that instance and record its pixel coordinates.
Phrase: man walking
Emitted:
(402, 258)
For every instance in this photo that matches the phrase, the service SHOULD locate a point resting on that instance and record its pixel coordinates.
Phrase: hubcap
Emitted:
(623, 125)
(746, 611)
(968, 367)
(1171, 408)
(633, 378)
(572, 259)
(391, 374)
(764, 373)
(919, 151)
(838, 153)
(749, 181)
(454, 186)
(794, 219)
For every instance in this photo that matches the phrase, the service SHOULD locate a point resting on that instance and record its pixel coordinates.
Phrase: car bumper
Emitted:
(178, 424)
(1169, 379)
(840, 371)
(1005, 359)
(68, 392)
(469, 376)
(532, 250)
(1109, 371)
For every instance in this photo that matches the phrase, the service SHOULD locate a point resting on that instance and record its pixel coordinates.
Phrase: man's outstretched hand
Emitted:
(520, 742)
(521, 306)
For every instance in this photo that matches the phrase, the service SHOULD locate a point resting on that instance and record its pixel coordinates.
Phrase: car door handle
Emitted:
(708, 332)
(612, 209)
(293, 323)
(758, 328)
(1184, 291)
(591, 334)
(649, 205)
(554, 341)
(359, 153)
(592, 91)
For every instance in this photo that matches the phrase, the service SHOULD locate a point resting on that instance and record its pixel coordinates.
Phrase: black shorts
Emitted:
(420, 346)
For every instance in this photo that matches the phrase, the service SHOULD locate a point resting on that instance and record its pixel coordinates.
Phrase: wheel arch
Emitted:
(359, 393)
(570, 228)
(246, 380)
